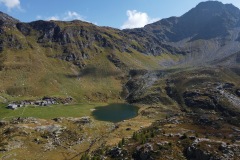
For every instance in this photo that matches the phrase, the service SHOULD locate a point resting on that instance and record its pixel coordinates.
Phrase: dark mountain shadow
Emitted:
(94, 72)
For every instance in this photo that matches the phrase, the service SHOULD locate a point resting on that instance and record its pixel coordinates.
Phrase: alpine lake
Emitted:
(115, 112)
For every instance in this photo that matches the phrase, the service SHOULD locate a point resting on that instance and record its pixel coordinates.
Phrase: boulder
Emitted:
(115, 152)
(197, 154)
(3, 123)
(238, 92)
(143, 152)
(228, 85)
(197, 100)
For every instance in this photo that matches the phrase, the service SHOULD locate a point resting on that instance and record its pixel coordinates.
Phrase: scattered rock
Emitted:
(15, 144)
(59, 120)
(3, 123)
(24, 120)
(50, 128)
(82, 120)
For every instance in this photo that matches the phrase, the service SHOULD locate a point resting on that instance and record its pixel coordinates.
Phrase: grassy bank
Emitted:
(48, 112)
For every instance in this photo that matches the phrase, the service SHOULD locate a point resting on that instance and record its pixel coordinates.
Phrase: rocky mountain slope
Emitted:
(75, 54)
(207, 32)
(62, 58)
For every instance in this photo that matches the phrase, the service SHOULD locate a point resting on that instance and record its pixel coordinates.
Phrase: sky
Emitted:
(113, 13)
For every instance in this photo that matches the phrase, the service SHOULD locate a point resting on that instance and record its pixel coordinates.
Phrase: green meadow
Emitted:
(48, 112)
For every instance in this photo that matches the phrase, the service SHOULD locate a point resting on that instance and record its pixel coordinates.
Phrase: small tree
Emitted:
(85, 157)
(143, 140)
(152, 134)
(135, 136)
(120, 145)
(123, 141)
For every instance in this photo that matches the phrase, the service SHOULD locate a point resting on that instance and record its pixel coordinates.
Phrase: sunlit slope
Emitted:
(63, 59)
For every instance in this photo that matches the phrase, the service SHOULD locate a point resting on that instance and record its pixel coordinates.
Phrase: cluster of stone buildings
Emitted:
(43, 102)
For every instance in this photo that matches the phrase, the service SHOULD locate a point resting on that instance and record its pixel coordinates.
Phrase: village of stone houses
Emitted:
(45, 101)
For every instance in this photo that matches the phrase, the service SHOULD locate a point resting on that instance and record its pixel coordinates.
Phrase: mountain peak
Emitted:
(215, 4)
(210, 4)
(214, 8)
(207, 20)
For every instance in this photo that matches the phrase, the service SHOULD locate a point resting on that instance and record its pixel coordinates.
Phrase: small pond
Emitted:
(115, 112)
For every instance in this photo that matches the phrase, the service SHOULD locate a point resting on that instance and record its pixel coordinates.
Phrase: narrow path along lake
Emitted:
(115, 112)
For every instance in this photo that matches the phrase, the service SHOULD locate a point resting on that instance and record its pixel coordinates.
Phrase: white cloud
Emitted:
(38, 17)
(72, 16)
(10, 4)
(67, 16)
(54, 18)
(137, 19)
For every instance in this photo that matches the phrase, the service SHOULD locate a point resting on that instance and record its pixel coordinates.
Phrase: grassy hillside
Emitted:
(37, 63)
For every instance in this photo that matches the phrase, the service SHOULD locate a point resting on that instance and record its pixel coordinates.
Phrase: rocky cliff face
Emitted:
(77, 40)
